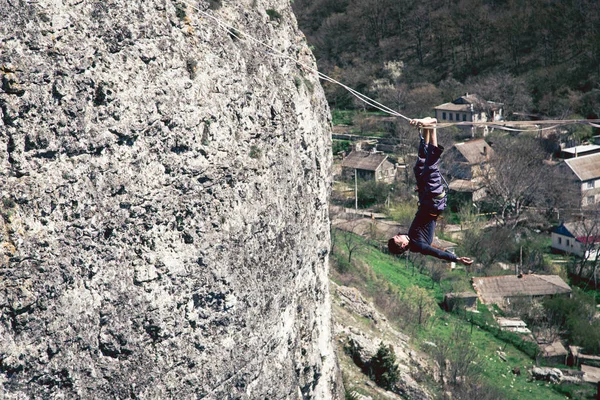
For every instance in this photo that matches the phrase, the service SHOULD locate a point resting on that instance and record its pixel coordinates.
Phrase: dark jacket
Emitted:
(432, 201)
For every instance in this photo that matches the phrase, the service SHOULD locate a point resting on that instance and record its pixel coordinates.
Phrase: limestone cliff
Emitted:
(164, 186)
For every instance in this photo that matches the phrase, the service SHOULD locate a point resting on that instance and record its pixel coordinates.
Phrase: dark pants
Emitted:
(429, 180)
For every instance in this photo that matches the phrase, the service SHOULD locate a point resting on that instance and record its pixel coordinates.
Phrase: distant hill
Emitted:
(536, 56)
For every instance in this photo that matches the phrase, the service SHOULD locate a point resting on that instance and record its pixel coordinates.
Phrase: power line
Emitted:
(503, 125)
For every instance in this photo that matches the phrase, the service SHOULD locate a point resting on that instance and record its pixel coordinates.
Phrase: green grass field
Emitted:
(401, 274)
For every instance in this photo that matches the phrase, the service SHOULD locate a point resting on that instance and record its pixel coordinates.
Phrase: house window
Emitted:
(450, 116)
(568, 242)
(591, 184)
(464, 117)
(559, 240)
(591, 200)
(457, 117)
(443, 115)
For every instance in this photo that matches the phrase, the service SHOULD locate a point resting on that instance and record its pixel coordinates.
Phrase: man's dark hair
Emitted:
(394, 248)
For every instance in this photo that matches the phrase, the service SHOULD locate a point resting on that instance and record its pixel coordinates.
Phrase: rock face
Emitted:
(164, 186)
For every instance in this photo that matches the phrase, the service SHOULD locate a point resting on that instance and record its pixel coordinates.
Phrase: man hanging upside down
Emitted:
(432, 199)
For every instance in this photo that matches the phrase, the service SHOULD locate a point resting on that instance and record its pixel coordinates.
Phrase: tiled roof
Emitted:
(364, 160)
(494, 289)
(454, 107)
(473, 150)
(585, 167)
(464, 103)
(581, 149)
(581, 231)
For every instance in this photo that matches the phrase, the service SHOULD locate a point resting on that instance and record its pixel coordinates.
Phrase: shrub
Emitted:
(273, 15)
(255, 152)
(372, 192)
(297, 82)
(383, 368)
(191, 66)
(180, 10)
(340, 145)
(309, 85)
(342, 117)
(8, 202)
(214, 4)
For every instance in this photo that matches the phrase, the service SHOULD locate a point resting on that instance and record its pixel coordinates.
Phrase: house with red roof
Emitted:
(580, 238)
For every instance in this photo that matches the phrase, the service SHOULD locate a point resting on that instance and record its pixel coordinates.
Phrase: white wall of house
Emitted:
(567, 244)
(590, 192)
(454, 116)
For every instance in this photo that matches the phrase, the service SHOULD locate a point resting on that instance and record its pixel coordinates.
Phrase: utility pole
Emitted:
(355, 189)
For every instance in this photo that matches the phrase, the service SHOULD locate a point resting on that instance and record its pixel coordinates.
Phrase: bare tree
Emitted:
(456, 357)
(350, 240)
(588, 233)
(437, 271)
(515, 177)
(421, 302)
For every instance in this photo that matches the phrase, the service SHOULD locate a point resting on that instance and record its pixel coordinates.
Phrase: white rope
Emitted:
(360, 96)
(507, 125)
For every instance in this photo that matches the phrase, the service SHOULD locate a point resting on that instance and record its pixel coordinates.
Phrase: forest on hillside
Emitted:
(537, 56)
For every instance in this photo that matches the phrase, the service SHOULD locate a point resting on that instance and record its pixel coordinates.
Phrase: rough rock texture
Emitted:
(164, 185)
(362, 344)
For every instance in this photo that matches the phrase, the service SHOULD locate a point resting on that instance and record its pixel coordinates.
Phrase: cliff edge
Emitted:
(164, 188)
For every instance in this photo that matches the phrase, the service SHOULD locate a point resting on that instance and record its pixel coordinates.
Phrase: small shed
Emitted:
(468, 190)
(466, 300)
(576, 357)
(369, 166)
(554, 353)
(578, 151)
(513, 325)
(500, 290)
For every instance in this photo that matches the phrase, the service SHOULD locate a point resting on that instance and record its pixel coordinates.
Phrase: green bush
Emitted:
(255, 152)
(273, 15)
(403, 212)
(7, 202)
(340, 145)
(372, 192)
(180, 10)
(383, 368)
(214, 4)
(342, 117)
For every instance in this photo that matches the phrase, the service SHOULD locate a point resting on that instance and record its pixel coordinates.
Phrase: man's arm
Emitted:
(428, 250)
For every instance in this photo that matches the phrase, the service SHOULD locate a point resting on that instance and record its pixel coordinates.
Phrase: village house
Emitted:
(578, 238)
(369, 165)
(463, 300)
(466, 161)
(501, 290)
(585, 173)
(470, 108)
(579, 151)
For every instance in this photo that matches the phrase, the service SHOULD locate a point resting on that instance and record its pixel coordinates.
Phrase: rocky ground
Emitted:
(358, 322)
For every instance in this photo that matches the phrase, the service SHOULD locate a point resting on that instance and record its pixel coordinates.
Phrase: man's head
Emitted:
(398, 244)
